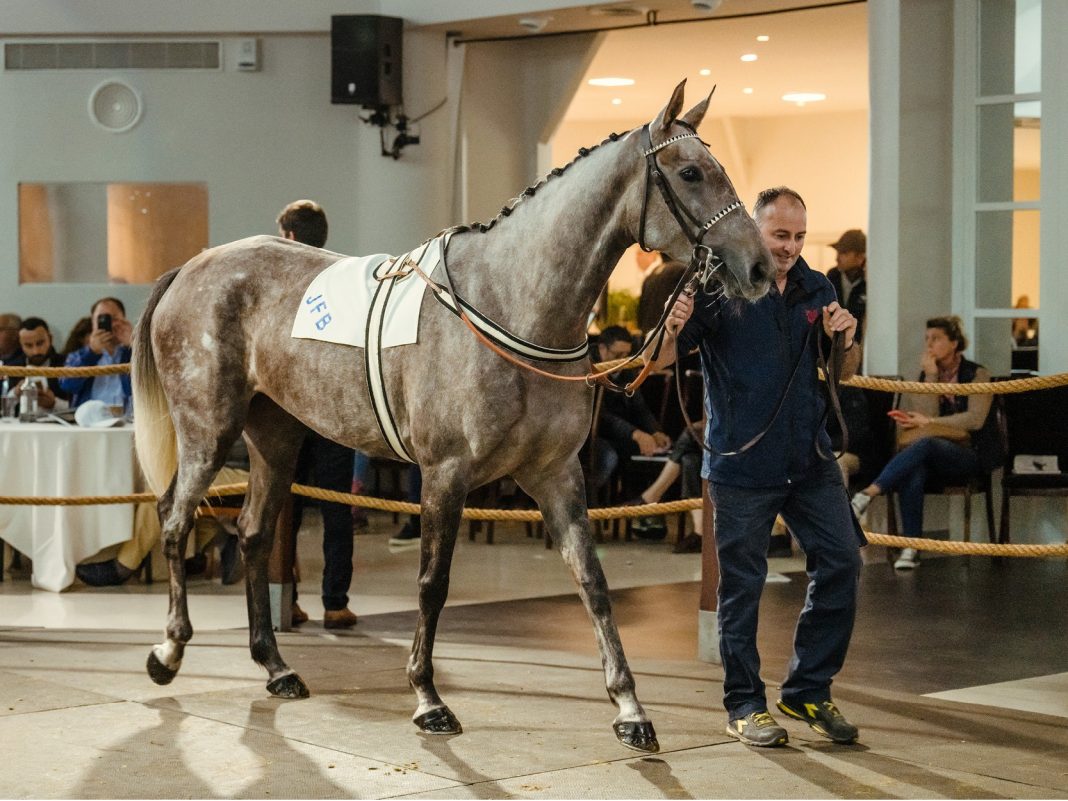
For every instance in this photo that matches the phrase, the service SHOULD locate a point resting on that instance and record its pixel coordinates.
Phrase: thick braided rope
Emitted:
(974, 388)
(864, 382)
(64, 372)
(533, 515)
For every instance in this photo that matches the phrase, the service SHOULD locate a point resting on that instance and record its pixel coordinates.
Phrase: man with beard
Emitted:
(35, 339)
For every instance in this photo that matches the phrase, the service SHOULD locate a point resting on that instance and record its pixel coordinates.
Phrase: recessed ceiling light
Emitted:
(763, 38)
(803, 97)
(749, 57)
(748, 90)
(611, 81)
(616, 101)
(705, 72)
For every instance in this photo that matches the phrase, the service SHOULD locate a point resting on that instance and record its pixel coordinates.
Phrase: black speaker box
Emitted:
(365, 59)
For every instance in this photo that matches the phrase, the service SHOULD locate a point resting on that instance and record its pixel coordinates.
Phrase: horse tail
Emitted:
(154, 436)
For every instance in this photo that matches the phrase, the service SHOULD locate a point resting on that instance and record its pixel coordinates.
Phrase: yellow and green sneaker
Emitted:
(824, 718)
(759, 729)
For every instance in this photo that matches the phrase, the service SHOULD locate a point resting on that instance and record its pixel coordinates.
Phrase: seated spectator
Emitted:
(36, 342)
(626, 426)
(10, 352)
(109, 343)
(661, 278)
(116, 563)
(684, 459)
(79, 336)
(946, 437)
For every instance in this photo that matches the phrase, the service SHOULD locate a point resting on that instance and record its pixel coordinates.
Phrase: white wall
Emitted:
(258, 139)
(822, 156)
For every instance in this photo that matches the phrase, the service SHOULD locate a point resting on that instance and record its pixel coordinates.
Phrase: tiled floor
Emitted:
(957, 677)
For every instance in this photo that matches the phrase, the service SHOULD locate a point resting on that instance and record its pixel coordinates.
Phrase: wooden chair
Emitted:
(1035, 426)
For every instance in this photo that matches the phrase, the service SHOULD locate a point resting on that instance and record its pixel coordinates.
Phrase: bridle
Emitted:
(683, 216)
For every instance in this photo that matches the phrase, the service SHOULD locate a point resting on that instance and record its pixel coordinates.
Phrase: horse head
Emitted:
(693, 210)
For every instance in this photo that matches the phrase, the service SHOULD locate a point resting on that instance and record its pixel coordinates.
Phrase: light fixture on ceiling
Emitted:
(763, 38)
(801, 98)
(610, 81)
(749, 57)
(533, 24)
(617, 101)
(705, 72)
(616, 11)
(747, 90)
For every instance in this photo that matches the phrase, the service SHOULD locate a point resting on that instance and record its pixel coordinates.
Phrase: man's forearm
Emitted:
(851, 361)
(666, 357)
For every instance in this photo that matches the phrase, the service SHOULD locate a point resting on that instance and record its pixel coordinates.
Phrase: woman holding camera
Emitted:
(109, 343)
(949, 438)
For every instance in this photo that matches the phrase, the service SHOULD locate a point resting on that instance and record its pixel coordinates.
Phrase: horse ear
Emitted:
(670, 112)
(694, 116)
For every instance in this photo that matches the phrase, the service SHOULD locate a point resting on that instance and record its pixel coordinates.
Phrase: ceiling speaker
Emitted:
(115, 106)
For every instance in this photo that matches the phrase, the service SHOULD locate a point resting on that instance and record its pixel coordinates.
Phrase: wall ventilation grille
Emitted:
(151, 55)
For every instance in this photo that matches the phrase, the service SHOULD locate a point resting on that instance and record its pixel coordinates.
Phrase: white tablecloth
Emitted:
(45, 459)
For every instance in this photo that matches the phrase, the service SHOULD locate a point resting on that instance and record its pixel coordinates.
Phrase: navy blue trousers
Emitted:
(331, 465)
(816, 508)
(907, 473)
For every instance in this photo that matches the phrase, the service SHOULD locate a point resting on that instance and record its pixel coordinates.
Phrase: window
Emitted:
(118, 233)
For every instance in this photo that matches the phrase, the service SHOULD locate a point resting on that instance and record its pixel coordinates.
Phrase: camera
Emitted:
(103, 322)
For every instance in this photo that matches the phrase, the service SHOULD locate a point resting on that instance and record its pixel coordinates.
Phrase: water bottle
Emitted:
(28, 401)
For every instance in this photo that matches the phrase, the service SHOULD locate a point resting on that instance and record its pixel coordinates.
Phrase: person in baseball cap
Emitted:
(849, 275)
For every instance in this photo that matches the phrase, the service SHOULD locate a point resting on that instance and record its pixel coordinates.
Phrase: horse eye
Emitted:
(690, 174)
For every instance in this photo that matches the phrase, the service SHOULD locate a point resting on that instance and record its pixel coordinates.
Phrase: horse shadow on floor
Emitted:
(658, 773)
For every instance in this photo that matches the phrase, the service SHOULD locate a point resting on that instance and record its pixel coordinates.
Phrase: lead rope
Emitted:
(833, 378)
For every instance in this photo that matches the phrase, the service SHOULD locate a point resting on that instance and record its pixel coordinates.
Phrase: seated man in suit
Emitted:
(35, 339)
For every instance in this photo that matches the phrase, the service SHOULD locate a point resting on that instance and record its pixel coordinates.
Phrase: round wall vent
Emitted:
(115, 106)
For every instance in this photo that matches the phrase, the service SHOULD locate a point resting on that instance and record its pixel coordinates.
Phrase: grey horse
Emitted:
(213, 358)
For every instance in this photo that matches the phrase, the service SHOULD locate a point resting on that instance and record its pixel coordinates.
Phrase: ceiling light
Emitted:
(748, 90)
(763, 38)
(749, 57)
(803, 97)
(610, 81)
(533, 24)
(617, 101)
(705, 72)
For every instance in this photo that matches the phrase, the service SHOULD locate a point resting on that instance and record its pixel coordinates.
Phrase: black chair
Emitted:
(1037, 448)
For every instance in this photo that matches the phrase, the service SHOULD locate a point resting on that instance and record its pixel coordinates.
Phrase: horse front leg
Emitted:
(442, 505)
(561, 497)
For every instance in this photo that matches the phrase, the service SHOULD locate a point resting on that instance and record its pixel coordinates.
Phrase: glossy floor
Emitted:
(957, 677)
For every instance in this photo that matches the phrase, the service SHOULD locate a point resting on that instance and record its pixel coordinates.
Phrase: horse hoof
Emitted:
(288, 686)
(159, 672)
(438, 721)
(638, 736)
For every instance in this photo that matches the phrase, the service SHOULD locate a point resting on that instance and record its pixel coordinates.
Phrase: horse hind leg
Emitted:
(176, 510)
(442, 501)
(274, 439)
(561, 498)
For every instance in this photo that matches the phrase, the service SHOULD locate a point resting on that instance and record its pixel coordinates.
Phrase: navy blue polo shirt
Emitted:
(748, 351)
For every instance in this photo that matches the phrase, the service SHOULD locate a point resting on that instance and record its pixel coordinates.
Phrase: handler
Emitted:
(748, 353)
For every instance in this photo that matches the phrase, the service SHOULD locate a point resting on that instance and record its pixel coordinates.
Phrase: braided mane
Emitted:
(509, 207)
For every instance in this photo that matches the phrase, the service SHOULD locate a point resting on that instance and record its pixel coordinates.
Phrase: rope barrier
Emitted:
(64, 372)
(863, 382)
(533, 515)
